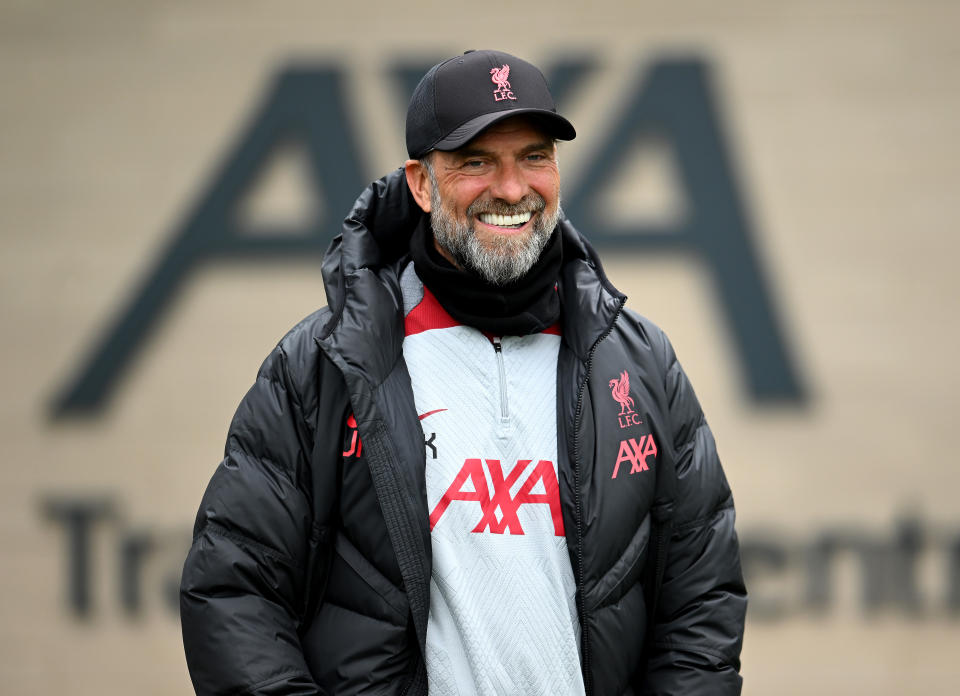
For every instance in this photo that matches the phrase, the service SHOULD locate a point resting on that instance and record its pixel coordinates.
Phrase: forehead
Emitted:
(513, 133)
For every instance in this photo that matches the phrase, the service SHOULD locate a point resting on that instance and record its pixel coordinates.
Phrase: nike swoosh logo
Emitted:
(430, 413)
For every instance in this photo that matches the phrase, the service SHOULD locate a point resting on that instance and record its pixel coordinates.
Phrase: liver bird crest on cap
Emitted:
(499, 77)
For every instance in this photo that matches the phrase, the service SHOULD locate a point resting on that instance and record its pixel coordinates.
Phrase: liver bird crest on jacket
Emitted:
(499, 77)
(620, 389)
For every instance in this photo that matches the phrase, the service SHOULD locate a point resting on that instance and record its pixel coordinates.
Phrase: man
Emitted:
(475, 471)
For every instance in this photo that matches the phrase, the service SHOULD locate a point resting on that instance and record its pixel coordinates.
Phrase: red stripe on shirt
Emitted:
(430, 314)
(427, 315)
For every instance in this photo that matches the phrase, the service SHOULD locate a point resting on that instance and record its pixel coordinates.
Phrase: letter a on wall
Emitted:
(304, 104)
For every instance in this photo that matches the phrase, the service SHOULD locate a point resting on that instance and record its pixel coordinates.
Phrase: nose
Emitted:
(509, 183)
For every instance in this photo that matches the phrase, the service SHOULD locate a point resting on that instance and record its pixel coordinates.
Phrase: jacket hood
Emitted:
(375, 234)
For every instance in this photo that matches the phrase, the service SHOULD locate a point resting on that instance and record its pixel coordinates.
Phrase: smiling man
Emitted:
(476, 471)
(496, 201)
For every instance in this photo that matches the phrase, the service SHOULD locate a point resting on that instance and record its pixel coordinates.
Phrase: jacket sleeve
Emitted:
(242, 592)
(698, 629)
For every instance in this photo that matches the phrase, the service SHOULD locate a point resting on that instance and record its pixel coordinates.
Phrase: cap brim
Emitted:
(555, 124)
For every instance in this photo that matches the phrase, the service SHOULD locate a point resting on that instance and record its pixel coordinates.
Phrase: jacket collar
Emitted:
(590, 303)
(361, 277)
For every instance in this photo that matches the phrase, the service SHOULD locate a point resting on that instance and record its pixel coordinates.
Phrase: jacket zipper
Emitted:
(581, 612)
(498, 349)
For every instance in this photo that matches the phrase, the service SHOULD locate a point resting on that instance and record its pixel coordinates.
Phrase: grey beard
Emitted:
(508, 258)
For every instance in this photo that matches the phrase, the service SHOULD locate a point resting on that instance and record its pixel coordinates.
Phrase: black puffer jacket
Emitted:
(310, 575)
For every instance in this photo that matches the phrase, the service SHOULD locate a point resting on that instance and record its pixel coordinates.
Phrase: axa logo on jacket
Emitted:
(635, 452)
(470, 485)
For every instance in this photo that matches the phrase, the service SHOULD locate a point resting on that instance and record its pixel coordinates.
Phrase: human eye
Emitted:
(538, 157)
(475, 165)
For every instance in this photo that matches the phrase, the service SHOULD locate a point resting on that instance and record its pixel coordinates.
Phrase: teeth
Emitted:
(505, 220)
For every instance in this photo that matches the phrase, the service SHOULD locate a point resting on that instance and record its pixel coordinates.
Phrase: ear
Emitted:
(419, 182)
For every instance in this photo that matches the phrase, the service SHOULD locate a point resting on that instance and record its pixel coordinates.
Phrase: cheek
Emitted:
(461, 197)
(548, 187)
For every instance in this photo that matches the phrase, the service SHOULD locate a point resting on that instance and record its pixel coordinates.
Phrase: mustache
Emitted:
(531, 203)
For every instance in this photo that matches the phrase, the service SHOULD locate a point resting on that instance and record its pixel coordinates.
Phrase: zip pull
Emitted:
(498, 349)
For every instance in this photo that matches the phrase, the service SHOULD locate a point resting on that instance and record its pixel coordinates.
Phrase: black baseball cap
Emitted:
(461, 96)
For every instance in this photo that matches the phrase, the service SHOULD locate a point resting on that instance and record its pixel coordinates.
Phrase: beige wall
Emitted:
(841, 118)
